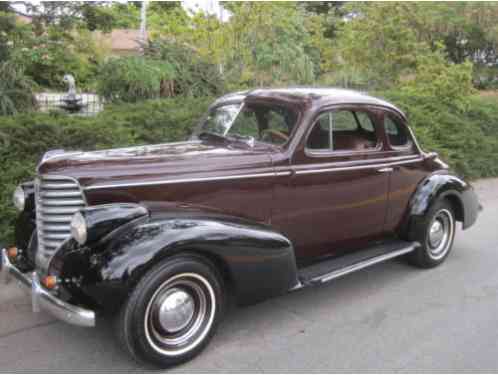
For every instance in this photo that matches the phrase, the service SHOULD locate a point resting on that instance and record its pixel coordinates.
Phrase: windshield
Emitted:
(252, 121)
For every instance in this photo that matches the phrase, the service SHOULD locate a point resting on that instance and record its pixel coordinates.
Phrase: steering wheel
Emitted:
(278, 134)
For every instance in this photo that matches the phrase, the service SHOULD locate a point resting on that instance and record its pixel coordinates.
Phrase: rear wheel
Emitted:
(173, 311)
(435, 232)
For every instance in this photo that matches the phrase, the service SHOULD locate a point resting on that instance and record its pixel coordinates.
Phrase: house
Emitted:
(121, 42)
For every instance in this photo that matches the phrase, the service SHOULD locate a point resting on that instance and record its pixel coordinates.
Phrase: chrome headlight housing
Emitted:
(79, 229)
(19, 198)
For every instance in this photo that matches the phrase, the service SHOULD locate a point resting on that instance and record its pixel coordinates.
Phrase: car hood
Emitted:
(150, 164)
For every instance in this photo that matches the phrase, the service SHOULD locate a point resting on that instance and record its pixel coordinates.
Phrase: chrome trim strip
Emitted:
(255, 175)
(57, 219)
(64, 185)
(62, 211)
(48, 187)
(185, 180)
(56, 228)
(62, 202)
(59, 193)
(356, 167)
(42, 298)
(366, 263)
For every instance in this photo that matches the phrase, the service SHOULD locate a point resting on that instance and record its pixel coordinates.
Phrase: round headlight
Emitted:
(78, 228)
(19, 198)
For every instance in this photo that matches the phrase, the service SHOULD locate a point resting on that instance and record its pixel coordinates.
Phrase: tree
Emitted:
(331, 11)
(261, 44)
(67, 15)
(267, 43)
(16, 90)
(378, 39)
(467, 30)
(383, 40)
(7, 28)
(124, 15)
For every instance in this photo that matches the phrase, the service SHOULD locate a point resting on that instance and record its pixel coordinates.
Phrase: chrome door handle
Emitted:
(385, 170)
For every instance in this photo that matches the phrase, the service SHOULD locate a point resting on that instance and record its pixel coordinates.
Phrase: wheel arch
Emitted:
(213, 259)
(255, 261)
(438, 186)
(457, 205)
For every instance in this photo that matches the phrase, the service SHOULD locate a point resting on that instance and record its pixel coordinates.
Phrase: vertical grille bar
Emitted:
(57, 199)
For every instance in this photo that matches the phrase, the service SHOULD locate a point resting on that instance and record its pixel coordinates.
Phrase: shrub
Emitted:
(134, 78)
(438, 80)
(485, 77)
(24, 138)
(16, 90)
(466, 138)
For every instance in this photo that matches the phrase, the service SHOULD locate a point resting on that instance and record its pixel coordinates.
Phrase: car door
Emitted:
(336, 197)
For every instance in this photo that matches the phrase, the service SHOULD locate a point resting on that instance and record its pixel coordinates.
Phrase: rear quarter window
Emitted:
(396, 132)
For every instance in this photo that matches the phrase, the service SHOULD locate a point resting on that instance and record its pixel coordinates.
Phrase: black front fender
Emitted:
(258, 261)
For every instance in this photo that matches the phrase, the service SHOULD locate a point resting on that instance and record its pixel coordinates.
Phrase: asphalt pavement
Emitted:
(390, 317)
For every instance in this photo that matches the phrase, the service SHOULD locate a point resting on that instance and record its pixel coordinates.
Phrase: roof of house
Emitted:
(24, 18)
(122, 39)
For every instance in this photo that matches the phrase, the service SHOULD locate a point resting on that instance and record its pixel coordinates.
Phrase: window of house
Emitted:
(343, 130)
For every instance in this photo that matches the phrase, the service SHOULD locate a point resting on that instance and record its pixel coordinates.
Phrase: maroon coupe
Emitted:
(276, 190)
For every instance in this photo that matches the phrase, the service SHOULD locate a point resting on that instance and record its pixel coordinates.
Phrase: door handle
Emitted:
(385, 170)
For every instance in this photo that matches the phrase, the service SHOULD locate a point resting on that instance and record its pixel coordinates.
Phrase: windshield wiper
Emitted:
(218, 137)
(247, 139)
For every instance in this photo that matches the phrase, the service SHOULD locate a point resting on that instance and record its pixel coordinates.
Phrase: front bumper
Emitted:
(42, 298)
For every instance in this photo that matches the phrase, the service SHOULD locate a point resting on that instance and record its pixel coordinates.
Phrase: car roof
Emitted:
(323, 95)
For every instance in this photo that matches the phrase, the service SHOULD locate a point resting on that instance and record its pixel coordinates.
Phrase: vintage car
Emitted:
(276, 190)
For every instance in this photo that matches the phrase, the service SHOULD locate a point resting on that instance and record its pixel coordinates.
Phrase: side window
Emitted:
(344, 121)
(365, 122)
(396, 132)
(319, 138)
(343, 131)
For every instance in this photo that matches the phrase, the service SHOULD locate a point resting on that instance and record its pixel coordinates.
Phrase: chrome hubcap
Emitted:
(436, 233)
(440, 234)
(176, 310)
(180, 314)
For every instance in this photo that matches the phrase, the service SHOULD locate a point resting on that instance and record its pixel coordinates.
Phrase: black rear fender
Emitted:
(445, 186)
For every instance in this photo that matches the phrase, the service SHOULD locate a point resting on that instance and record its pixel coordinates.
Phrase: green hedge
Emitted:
(466, 138)
(24, 138)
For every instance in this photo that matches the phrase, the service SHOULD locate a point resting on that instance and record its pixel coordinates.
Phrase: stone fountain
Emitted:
(71, 102)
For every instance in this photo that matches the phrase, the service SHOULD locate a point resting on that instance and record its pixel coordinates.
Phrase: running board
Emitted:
(334, 268)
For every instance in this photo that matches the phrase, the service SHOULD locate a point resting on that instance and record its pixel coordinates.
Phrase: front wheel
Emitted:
(173, 311)
(435, 232)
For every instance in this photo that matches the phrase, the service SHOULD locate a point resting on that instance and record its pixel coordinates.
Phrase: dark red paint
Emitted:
(344, 208)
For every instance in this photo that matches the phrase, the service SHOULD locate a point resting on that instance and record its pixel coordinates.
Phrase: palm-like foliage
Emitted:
(16, 90)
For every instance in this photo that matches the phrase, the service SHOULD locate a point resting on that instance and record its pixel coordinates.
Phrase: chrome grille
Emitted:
(57, 199)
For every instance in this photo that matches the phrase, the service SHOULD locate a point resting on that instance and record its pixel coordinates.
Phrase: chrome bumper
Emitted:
(42, 298)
